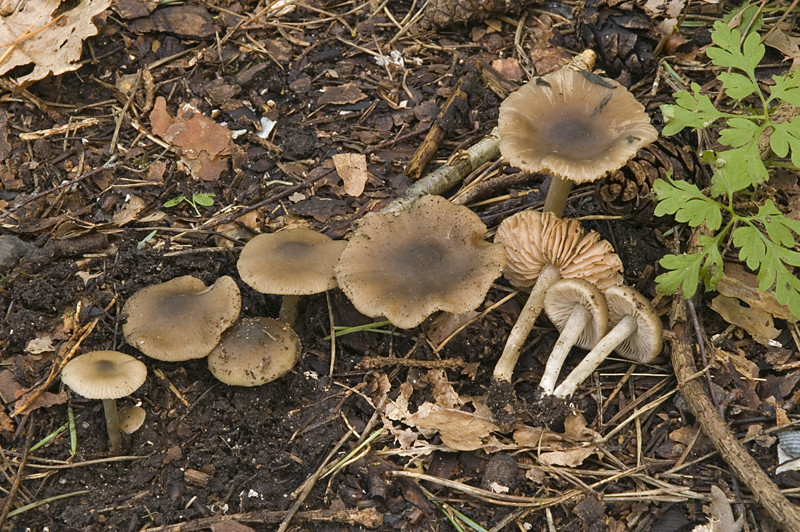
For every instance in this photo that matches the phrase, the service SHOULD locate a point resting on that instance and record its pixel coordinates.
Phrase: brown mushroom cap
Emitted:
(645, 342)
(407, 265)
(255, 351)
(290, 262)
(104, 375)
(181, 319)
(534, 239)
(131, 419)
(564, 296)
(575, 125)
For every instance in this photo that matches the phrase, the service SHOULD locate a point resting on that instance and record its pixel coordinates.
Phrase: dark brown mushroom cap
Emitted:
(645, 342)
(290, 262)
(181, 319)
(572, 124)
(407, 265)
(104, 375)
(255, 351)
(534, 239)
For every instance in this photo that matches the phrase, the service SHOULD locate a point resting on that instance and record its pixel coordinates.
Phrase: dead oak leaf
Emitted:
(785, 44)
(203, 144)
(53, 45)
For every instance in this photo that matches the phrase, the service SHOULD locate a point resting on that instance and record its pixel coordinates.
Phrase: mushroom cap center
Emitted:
(294, 253)
(576, 134)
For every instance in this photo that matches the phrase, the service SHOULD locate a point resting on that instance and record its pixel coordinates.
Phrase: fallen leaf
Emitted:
(341, 95)
(129, 9)
(45, 400)
(721, 519)
(191, 21)
(753, 320)
(743, 285)
(203, 144)
(129, 211)
(785, 44)
(572, 458)
(9, 388)
(6, 425)
(39, 345)
(5, 147)
(31, 35)
(459, 430)
(352, 168)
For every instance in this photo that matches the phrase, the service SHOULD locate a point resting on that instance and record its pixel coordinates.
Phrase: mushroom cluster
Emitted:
(541, 248)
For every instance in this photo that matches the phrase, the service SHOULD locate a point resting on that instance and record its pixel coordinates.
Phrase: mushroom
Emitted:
(255, 351)
(578, 309)
(574, 125)
(292, 263)
(407, 265)
(181, 319)
(131, 419)
(541, 249)
(106, 375)
(636, 335)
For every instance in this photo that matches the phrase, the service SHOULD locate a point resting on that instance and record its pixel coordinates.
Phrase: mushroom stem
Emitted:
(519, 333)
(288, 312)
(557, 195)
(596, 356)
(569, 336)
(112, 423)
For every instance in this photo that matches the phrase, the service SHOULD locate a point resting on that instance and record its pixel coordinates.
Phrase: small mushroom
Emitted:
(578, 309)
(574, 125)
(181, 319)
(541, 249)
(255, 351)
(292, 263)
(131, 419)
(636, 334)
(407, 265)
(106, 375)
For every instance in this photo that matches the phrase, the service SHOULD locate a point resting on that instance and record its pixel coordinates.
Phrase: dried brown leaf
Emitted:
(32, 35)
(341, 95)
(352, 168)
(129, 211)
(753, 320)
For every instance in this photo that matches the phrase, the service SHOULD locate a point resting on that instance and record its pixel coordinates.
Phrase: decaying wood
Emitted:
(447, 176)
(437, 133)
(713, 425)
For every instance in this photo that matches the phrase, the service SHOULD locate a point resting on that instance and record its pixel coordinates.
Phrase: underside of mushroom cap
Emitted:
(645, 342)
(407, 265)
(290, 262)
(534, 239)
(181, 319)
(565, 296)
(575, 125)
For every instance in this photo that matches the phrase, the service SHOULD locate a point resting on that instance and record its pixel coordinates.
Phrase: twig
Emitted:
(310, 483)
(18, 479)
(745, 467)
(108, 166)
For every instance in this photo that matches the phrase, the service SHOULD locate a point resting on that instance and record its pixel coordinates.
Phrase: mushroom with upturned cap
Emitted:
(181, 319)
(636, 335)
(292, 263)
(407, 265)
(541, 249)
(574, 125)
(255, 351)
(106, 375)
(578, 309)
(131, 419)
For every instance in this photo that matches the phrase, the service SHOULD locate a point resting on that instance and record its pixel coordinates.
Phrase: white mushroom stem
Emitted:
(596, 356)
(519, 333)
(112, 423)
(288, 312)
(569, 336)
(557, 196)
